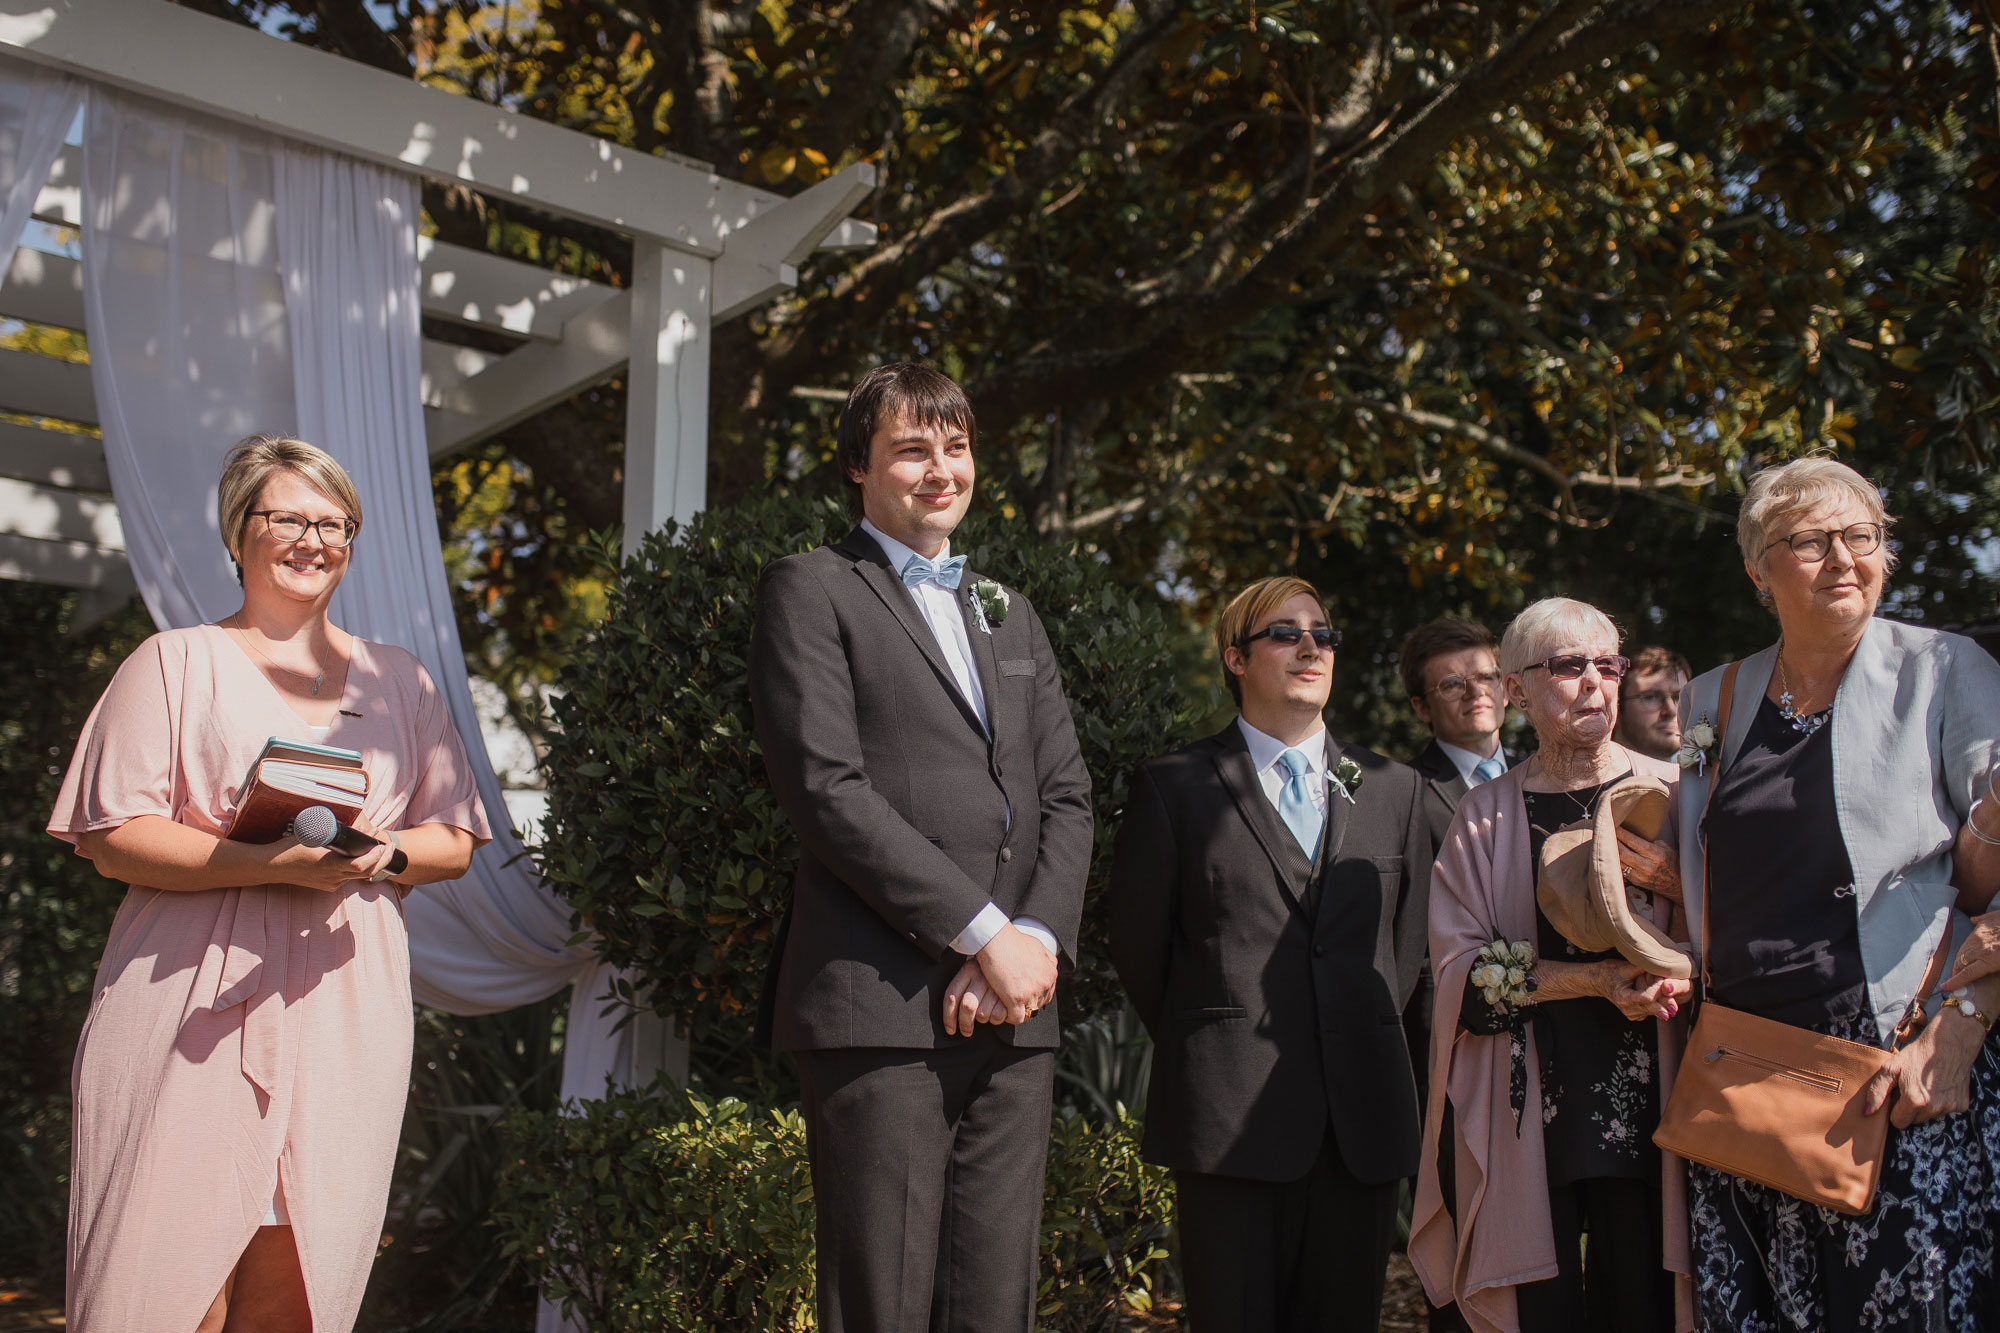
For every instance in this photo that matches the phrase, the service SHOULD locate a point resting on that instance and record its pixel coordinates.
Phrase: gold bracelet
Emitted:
(1962, 1001)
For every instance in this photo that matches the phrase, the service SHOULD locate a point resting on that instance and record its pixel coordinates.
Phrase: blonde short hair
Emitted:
(1248, 607)
(1546, 626)
(1799, 487)
(253, 461)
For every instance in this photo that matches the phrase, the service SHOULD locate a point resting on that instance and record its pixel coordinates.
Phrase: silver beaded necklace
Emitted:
(1803, 723)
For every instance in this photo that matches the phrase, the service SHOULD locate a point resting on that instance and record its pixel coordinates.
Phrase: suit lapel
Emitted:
(873, 568)
(984, 660)
(1339, 810)
(1232, 763)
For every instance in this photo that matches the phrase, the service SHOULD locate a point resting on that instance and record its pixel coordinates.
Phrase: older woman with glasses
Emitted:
(241, 1077)
(1841, 843)
(1548, 1065)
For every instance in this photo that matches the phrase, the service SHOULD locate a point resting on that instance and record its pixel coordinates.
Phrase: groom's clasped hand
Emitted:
(1005, 982)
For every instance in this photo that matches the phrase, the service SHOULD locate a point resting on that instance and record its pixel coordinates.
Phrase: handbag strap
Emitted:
(1909, 1023)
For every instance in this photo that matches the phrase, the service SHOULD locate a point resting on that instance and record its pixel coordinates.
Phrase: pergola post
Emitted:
(666, 409)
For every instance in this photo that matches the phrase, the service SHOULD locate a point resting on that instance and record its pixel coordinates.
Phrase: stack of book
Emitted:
(287, 777)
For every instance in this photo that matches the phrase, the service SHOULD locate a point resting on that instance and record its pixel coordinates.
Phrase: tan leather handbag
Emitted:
(1778, 1104)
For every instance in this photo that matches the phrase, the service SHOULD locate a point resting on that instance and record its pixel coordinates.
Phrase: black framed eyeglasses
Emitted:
(1810, 544)
(1453, 688)
(290, 527)
(1289, 635)
(1571, 666)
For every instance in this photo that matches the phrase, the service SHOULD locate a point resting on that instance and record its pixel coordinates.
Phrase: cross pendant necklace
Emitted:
(317, 681)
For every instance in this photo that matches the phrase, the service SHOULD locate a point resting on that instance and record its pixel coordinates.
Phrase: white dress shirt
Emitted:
(1265, 751)
(939, 607)
(1466, 761)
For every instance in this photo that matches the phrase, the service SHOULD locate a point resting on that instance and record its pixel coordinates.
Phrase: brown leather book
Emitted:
(287, 777)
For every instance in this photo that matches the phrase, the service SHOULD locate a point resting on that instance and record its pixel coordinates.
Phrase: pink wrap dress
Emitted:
(243, 1045)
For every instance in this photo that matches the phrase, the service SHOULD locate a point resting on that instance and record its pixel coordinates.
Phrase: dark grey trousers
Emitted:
(1302, 1256)
(927, 1170)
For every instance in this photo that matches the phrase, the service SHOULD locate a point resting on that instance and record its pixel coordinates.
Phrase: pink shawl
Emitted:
(1483, 886)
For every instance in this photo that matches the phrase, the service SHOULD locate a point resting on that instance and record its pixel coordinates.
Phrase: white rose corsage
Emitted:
(1699, 746)
(989, 604)
(1505, 974)
(1347, 778)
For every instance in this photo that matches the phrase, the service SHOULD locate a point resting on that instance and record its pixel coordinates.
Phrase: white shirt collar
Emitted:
(1466, 760)
(899, 554)
(1265, 750)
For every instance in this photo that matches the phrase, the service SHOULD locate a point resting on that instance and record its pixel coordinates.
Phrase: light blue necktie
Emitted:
(1488, 769)
(920, 569)
(1295, 802)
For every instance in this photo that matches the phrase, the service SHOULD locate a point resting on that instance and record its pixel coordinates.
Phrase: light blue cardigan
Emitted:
(1916, 730)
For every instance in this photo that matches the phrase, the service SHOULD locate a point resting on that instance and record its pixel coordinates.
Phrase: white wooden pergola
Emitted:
(705, 250)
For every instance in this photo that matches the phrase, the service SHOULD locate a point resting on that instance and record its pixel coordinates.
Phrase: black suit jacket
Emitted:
(1274, 988)
(900, 799)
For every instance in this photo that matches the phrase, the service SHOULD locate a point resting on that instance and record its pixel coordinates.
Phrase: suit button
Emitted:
(1006, 854)
(1319, 951)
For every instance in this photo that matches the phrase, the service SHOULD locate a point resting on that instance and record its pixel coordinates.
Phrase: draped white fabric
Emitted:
(236, 284)
(37, 107)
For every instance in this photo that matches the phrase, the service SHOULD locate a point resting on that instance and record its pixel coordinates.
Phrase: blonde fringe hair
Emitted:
(253, 461)
(1248, 607)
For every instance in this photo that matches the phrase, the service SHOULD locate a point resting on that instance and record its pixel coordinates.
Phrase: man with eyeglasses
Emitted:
(1649, 702)
(1269, 912)
(1451, 672)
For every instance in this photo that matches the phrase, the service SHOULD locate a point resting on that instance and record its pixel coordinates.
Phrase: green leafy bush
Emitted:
(55, 909)
(673, 848)
(670, 1211)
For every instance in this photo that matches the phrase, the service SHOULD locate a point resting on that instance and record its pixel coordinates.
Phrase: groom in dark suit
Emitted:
(915, 732)
(1268, 917)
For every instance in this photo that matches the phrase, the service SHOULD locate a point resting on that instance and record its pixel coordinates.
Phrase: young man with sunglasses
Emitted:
(1269, 902)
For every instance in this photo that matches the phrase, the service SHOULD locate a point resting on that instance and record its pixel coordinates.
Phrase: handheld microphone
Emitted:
(315, 826)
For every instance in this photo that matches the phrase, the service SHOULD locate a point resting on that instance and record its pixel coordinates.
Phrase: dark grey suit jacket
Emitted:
(901, 801)
(1444, 788)
(1274, 987)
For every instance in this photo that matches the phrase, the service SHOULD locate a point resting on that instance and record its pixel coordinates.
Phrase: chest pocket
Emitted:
(1020, 666)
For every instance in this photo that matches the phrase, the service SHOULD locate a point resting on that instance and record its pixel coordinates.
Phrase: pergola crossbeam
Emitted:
(594, 347)
(49, 514)
(53, 457)
(41, 386)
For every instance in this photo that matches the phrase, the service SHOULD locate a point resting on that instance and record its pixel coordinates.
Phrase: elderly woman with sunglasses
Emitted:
(1547, 1080)
(1839, 845)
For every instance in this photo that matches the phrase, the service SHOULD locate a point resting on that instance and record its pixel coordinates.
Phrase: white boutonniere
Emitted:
(1505, 973)
(1699, 746)
(989, 604)
(1347, 778)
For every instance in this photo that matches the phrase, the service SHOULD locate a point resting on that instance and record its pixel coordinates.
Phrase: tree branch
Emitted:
(1131, 345)
(881, 36)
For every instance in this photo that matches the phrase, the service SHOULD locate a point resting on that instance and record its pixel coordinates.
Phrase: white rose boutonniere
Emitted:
(1699, 746)
(1505, 974)
(1347, 778)
(989, 604)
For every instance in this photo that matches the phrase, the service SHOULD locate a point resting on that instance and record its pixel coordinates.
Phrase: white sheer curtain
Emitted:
(37, 107)
(234, 284)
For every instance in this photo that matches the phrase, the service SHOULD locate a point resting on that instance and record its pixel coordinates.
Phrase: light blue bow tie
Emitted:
(922, 570)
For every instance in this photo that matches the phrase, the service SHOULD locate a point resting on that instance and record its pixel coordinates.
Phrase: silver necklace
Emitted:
(1803, 723)
(317, 681)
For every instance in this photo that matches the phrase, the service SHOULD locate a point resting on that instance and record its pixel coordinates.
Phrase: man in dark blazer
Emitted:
(1268, 918)
(1451, 672)
(915, 733)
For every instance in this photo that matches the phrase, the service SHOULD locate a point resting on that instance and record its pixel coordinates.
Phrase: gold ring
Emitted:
(1964, 961)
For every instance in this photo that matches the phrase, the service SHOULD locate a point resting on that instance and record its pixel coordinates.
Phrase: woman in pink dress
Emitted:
(240, 1082)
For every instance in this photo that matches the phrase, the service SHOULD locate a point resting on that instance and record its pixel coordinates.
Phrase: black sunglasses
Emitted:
(1288, 635)
(1571, 666)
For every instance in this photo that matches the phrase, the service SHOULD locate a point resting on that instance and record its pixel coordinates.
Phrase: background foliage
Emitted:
(673, 1211)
